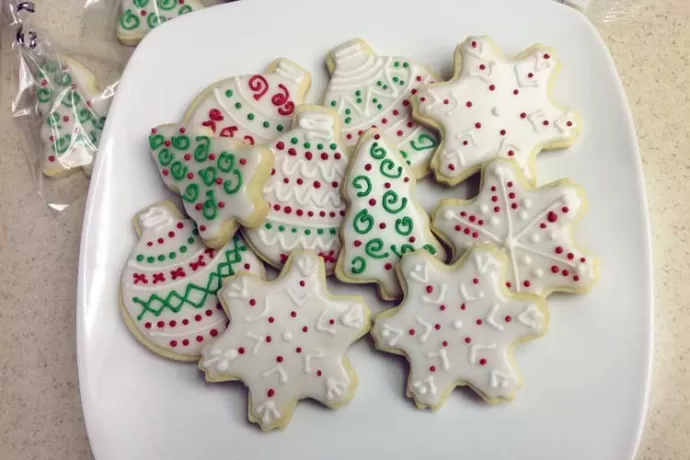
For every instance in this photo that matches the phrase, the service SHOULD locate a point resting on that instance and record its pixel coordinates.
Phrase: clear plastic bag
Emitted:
(58, 106)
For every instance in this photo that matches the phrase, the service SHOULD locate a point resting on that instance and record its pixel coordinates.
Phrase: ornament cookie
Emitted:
(303, 193)
(73, 114)
(170, 282)
(384, 219)
(369, 90)
(495, 106)
(534, 225)
(254, 109)
(458, 325)
(138, 17)
(220, 180)
(288, 340)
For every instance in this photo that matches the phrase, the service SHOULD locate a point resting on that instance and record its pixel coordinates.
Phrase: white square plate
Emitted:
(586, 381)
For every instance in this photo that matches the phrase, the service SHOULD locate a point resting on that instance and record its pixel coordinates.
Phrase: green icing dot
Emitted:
(294, 230)
(250, 116)
(319, 146)
(150, 259)
(348, 120)
(397, 64)
(266, 124)
(319, 231)
(307, 232)
(269, 225)
(385, 86)
(281, 228)
(190, 240)
(238, 105)
(161, 257)
(333, 103)
(334, 146)
(294, 141)
(172, 255)
(140, 258)
(380, 106)
(406, 65)
(359, 100)
(379, 83)
(195, 231)
(280, 128)
(307, 145)
(228, 93)
(358, 93)
(332, 231)
(183, 249)
(348, 111)
(402, 83)
(409, 162)
(375, 100)
(395, 79)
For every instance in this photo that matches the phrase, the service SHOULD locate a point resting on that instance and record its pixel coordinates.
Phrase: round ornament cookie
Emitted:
(458, 325)
(219, 179)
(303, 193)
(369, 90)
(288, 340)
(170, 282)
(254, 109)
(138, 17)
(73, 114)
(535, 225)
(495, 106)
(384, 220)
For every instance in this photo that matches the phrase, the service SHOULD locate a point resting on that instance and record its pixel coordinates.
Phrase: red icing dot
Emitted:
(552, 217)
(565, 272)
(357, 243)
(547, 56)
(437, 326)
(280, 145)
(305, 329)
(418, 78)
(302, 283)
(554, 269)
(271, 319)
(530, 75)
(199, 338)
(376, 136)
(367, 167)
(187, 157)
(482, 362)
(468, 103)
(458, 228)
(388, 266)
(399, 133)
(583, 260)
(502, 132)
(252, 302)
(482, 67)
(372, 202)
(324, 156)
(527, 283)
(545, 122)
(442, 308)
(214, 332)
(497, 208)
(474, 44)
(406, 102)
(293, 314)
(508, 318)
(523, 115)
(279, 359)
(446, 101)
(198, 206)
(219, 181)
(396, 112)
(270, 392)
(514, 205)
(147, 325)
(479, 322)
(478, 125)
(240, 350)
(185, 321)
(463, 306)
(511, 153)
(173, 323)
(571, 256)
(197, 318)
(451, 167)
(298, 349)
(411, 332)
(287, 209)
(337, 156)
(429, 289)
(565, 210)
(569, 124)
(212, 156)
(221, 204)
(382, 225)
(52, 158)
(269, 339)
(308, 155)
(559, 250)
(576, 278)
(509, 284)
(209, 312)
(173, 343)
(445, 343)
(432, 368)
(319, 373)
(468, 340)
(185, 342)
(190, 175)
(492, 87)
(516, 92)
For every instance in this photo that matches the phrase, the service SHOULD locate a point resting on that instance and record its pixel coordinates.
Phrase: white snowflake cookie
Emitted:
(495, 106)
(534, 225)
(287, 340)
(458, 325)
(369, 91)
(170, 282)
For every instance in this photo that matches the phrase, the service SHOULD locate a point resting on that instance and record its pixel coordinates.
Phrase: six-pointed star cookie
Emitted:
(495, 107)
(457, 325)
(287, 340)
(535, 225)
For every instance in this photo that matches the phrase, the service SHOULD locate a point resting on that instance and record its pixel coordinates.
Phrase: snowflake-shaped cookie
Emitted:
(535, 226)
(495, 107)
(458, 325)
(287, 340)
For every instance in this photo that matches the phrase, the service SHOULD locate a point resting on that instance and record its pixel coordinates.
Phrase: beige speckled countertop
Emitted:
(40, 411)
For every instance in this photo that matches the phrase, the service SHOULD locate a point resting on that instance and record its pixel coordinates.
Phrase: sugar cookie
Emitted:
(138, 17)
(288, 340)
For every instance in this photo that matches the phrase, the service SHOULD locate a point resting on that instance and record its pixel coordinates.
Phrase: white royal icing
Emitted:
(213, 175)
(172, 301)
(468, 338)
(308, 361)
(372, 185)
(254, 109)
(542, 254)
(369, 90)
(496, 107)
(304, 190)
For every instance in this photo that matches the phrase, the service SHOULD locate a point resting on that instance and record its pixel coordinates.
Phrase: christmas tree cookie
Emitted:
(384, 220)
(138, 17)
(303, 193)
(73, 114)
(369, 90)
(220, 180)
(170, 282)
(495, 106)
(288, 340)
(534, 225)
(458, 325)
(254, 109)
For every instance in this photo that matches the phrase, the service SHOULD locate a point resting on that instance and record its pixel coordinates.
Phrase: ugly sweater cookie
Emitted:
(287, 340)
(220, 180)
(73, 114)
(138, 17)
(170, 282)
(254, 109)
(458, 325)
(384, 220)
(495, 106)
(303, 193)
(535, 225)
(369, 91)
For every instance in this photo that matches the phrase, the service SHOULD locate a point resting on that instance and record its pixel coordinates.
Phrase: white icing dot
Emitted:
(481, 294)
(495, 221)
(527, 203)
(552, 235)
(448, 214)
(287, 336)
(523, 215)
(421, 390)
(385, 333)
(216, 351)
(231, 353)
(222, 366)
(538, 272)
(495, 112)
(484, 208)
(535, 238)
(498, 171)
(457, 324)
(582, 268)
(527, 260)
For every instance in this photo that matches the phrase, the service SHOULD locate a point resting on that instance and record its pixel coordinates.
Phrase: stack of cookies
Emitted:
(329, 190)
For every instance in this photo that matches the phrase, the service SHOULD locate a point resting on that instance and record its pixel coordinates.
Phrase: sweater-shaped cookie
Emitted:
(73, 114)
(458, 325)
(384, 220)
(303, 193)
(369, 91)
(535, 225)
(254, 109)
(138, 17)
(287, 340)
(170, 282)
(495, 106)
(220, 180)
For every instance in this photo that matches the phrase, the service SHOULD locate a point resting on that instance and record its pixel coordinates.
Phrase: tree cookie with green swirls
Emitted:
(219, 179)
(384, 220)
(138, 17)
